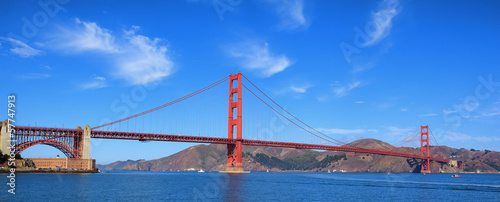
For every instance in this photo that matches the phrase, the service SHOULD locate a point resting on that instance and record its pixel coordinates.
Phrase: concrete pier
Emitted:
(5, 140)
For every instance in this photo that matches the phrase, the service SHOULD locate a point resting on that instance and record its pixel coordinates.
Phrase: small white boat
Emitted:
(267, 170)
(201, 171)
(328, 171)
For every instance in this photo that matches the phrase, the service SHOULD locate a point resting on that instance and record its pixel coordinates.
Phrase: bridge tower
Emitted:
(5, 137)
(85, 147)
(424, 149)
(234, 151)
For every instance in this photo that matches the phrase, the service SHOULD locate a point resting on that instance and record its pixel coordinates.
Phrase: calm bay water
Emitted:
(188, 186)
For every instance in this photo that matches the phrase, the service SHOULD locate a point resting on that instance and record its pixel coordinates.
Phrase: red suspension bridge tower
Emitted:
(424, 149)
(234, 151)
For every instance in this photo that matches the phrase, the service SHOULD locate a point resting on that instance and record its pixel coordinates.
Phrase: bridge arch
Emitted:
(65, 148)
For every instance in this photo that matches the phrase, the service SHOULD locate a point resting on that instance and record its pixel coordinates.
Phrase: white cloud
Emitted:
(382, 21)
(344, 131)
(493, 112)
(428, 115)
(357, 68)
(95, 83)
(341, 90)
(448, 112)
(455, 136)
(395, 131)
(21, 49)
(297, 89)
(86, 36)
(291, 13)
(46, 67)
(137, 58)
(359, 102)
(146, 59)
(258, 57)
(404, 109)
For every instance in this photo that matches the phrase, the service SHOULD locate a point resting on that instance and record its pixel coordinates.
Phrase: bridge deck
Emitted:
(181, 138)
(62, 132)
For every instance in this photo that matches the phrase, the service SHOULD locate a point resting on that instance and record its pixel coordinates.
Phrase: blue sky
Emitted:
(352, 69)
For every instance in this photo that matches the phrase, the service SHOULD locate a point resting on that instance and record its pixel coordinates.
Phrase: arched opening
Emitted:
(42, 151)
(66, 149)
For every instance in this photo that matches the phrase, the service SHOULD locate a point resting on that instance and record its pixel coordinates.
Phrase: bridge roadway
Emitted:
(215, 140)
(54, 133)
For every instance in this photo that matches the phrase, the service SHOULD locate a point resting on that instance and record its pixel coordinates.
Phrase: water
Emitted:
(189, 186)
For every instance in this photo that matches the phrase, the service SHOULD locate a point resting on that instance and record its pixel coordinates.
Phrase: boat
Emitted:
(456, 175)
(201, 171)
(267, 170)
(328, 171)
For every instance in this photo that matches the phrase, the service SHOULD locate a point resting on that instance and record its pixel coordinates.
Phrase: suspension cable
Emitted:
(169, 103)
(407, 139)
(285, 116)
(339, 142)
(433, 137)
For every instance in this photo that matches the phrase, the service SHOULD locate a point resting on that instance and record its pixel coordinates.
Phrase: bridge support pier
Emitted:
(86, 142)
(424, 149)
(5, 139)
(234, 151)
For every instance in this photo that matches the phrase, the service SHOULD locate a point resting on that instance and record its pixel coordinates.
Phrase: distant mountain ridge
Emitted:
(213, 158)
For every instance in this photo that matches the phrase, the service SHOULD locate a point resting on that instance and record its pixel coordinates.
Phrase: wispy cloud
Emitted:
(344, 131)
(359, 102)
(341, 89)
(404, 109)
(395, 131)
(21, 49)
(456, 136)
(137, 58)
(358, 68)
(297, 89)
(429, 115)
(377, 29)
(382, 21)
(95, 83)
(45, 67)
(492, 112)
(448, 111)
(291, 13)
(258, 57)
(146, 59)
(86, 36)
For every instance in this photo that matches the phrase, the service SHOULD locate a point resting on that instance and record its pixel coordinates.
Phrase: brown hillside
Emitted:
(213, 158)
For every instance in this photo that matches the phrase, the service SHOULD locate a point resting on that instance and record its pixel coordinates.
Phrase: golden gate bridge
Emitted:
(201, 117)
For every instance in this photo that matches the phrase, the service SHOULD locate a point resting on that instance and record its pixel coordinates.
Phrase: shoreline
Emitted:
(6, 171)
(299, 171)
